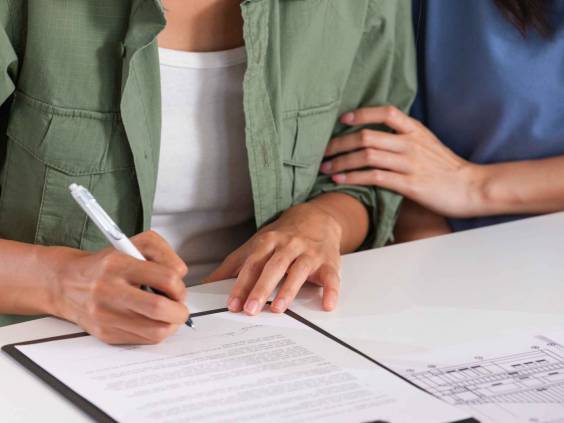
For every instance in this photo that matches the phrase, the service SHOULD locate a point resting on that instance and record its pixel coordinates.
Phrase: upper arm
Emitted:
(385, 69)
(9, 17)
(384, 72)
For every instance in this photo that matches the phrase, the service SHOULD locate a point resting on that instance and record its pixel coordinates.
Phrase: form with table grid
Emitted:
(516, 378)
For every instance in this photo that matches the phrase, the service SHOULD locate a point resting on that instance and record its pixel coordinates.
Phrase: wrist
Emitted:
(332, 221)
(55, 262)
(479, 191)
(349, 215)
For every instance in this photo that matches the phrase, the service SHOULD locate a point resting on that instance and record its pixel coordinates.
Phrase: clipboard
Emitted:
(100, 416)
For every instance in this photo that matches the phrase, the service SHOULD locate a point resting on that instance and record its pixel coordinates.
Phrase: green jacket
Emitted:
(79, 89)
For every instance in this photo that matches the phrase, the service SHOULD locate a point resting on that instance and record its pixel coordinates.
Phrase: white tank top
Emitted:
(203, 204)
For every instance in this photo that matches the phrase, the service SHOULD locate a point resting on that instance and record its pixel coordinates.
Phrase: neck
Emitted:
(203, 26)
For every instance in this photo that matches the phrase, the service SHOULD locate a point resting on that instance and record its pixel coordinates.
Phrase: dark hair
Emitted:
(527, 15)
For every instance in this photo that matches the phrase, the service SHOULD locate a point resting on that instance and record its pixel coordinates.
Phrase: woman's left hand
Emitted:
(303, 245)
(412, 162)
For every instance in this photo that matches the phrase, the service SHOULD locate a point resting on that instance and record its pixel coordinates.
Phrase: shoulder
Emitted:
(15, 13)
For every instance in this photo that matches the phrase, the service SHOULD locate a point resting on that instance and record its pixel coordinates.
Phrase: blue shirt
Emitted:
(487, 92)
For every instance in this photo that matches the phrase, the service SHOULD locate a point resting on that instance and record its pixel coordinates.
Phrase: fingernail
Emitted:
(348, 118)
(252, 307)
(326, 167)
(234, 304)
(331, 301)
(279, 305)
(340, 179)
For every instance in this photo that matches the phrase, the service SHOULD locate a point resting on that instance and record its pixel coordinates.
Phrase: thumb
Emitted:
(228, 269)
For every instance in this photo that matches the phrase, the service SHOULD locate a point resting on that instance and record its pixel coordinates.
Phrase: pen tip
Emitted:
(190, 323)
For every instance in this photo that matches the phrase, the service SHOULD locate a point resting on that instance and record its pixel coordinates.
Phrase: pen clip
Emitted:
(96, 212)
(106, 221)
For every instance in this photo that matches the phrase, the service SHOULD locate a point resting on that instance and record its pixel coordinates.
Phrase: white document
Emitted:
(518, 378)
(238, 369)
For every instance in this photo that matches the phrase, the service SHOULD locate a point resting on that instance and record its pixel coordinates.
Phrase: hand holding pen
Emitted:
(110, 230)
(100, 291)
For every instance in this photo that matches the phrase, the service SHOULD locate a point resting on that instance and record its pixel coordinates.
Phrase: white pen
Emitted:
(109, 228)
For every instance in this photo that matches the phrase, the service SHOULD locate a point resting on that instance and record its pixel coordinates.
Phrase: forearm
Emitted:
(527, 187)
(25, 278)
(351, 216)
(416, 222)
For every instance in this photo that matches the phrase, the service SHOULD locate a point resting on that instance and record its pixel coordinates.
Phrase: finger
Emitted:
(366, 139)
(390, 116)
(367, 158)
(331, 283)
(230, 266)
(154, 248)
(119, 337)
(149, 331)
(153, 275)
(273, 272)
(246, 279)
(152, 306)
(250, 273)
(297, 276)
(381, 178)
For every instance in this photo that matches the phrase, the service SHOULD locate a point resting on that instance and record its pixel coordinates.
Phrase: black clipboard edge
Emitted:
(100, 416)
(350, 347)
(66, 392)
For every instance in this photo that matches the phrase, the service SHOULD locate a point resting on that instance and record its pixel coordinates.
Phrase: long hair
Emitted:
(527, 15)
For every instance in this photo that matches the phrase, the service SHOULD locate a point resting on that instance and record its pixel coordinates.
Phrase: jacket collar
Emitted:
(146, 21)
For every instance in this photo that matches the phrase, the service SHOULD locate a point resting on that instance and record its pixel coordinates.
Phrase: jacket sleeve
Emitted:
(8, 73)
(8, 68)
(8, 57)
(384, 73)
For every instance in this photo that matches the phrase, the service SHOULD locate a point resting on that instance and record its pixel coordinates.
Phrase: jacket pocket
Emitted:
(48, 149)
(306, 134)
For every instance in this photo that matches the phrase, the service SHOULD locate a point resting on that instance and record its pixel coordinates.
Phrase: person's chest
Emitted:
(203, 162)
(88, 106)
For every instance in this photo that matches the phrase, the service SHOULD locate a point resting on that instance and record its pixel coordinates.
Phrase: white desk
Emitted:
(404, 298)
